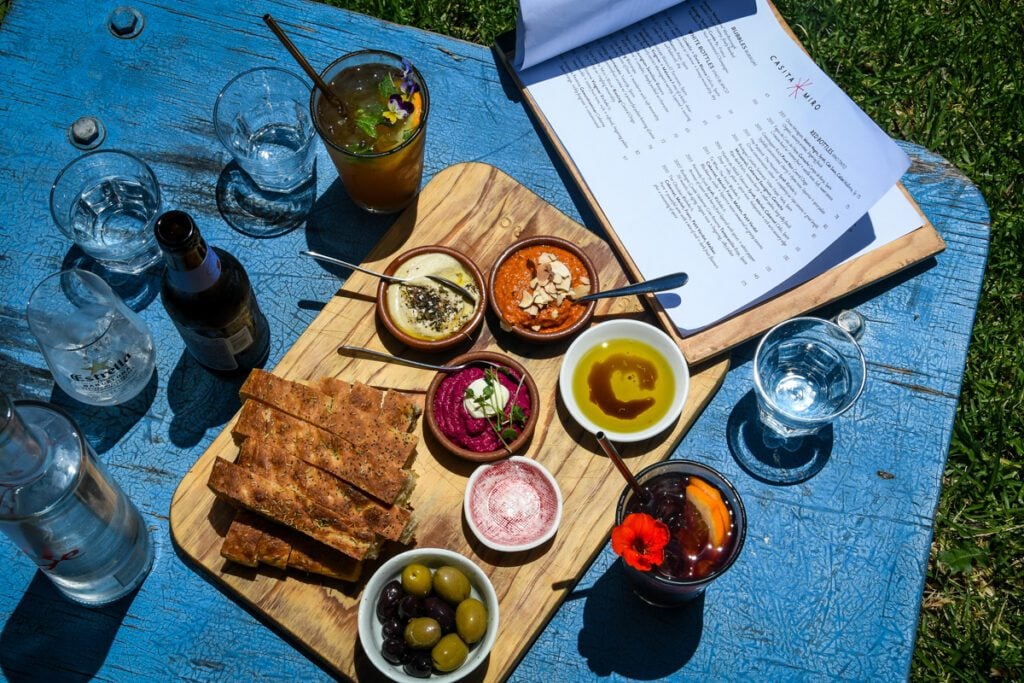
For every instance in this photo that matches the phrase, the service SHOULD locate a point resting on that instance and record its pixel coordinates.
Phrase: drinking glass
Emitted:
(261, 118)
(670, 502)
(106, 202)
(99, 350)
(807, 372)
(379, 176)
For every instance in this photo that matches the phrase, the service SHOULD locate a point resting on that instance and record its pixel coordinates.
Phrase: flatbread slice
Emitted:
(322, 449)
(247, 489)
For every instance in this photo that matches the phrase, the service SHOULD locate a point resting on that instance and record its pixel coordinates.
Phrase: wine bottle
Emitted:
(208, 296)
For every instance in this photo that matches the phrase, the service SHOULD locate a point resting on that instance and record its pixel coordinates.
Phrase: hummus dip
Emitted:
(424, 309)
(464, 429)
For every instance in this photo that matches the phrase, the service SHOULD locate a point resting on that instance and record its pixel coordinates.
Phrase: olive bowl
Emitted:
(464, 333)
(483, 359)
(370, 627)
(498, 299)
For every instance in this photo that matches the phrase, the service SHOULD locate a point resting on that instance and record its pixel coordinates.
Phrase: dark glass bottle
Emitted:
(207, 293)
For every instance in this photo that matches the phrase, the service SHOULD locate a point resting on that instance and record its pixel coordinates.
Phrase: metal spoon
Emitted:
(658, 284)
(391, 278)
(415, 363)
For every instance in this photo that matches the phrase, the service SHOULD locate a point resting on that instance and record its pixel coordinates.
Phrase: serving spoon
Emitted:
(416, 363)
(391, 278)
(658, 284)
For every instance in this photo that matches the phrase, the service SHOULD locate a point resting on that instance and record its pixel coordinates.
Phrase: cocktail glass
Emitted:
(807, 372)
(376, 143)
(707, 526)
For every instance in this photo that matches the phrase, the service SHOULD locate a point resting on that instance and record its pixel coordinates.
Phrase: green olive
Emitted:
(451, 584)
(449, 654)
(417, 580)
(471, 620)
(422, 632)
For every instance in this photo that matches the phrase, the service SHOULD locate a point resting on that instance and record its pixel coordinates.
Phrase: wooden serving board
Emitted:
(478, 210)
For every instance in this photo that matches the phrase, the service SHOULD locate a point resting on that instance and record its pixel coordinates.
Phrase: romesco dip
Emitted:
(535, 286)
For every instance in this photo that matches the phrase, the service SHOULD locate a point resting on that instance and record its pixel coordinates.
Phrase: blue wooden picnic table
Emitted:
(829, 584)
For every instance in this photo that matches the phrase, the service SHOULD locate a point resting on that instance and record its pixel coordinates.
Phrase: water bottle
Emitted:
(62, 509)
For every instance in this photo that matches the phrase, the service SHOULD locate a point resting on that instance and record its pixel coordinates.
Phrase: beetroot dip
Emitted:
(473, 433)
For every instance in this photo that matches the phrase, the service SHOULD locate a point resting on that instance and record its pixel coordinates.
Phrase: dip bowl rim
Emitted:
(463, 334)
(562, 243)
(620, 329)
(506, 547)
(369, 628)
(518, 443)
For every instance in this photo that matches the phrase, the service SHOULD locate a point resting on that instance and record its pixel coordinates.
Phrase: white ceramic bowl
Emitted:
(512, 505)
(625, 329)
(370, 627)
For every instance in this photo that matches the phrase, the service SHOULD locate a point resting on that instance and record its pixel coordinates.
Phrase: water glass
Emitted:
(99, 350)
(106, 202)
(807, 372)
(261, 118)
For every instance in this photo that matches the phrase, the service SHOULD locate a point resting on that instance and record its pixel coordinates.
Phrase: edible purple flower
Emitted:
(408, 87)
(398, 108)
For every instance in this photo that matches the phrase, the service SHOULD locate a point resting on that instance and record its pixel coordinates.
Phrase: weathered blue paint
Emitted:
(829, 584)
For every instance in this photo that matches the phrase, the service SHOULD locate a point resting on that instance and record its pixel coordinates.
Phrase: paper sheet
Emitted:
(715, 145)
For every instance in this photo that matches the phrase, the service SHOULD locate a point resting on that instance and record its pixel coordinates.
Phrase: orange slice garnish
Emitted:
(709, 503)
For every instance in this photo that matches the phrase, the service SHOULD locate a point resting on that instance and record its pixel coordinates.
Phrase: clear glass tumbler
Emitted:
(106, 202)
(261, 118)
(807, 372)
(377, 141)
(99, 350)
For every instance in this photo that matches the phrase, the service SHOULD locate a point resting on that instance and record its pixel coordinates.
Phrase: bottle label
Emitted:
(198, 279)
(220, 352)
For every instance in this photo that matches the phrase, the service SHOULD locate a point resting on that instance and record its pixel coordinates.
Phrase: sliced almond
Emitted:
(584, 279)
(579, 290)
(541, 298)
(543, 273)
(546, 257)
(533, 310)
(560, 269)
(535, 328)
(505, 326)
(526, 301)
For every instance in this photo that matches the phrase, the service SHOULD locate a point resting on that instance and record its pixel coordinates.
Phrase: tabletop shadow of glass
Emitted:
(773, 459)
(339, 228)
(105, 426)
(137, 290)
(259, 213)
(201, 399)
(622, 634)
(48, 637)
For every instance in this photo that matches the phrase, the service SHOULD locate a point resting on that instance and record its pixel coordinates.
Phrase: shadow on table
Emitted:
(48, 637)
(624, 635)
(770, 458)
(105, 426)
(200, 399)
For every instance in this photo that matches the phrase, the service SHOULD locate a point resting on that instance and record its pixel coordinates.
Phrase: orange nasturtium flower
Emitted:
(640, 540)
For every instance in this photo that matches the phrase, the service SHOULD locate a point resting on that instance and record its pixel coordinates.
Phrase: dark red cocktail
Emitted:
(706, 525)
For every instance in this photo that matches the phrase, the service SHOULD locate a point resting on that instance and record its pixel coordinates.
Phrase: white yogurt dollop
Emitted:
(492, 406)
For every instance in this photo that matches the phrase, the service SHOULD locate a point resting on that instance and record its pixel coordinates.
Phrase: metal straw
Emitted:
(613, 455)
(304, 63)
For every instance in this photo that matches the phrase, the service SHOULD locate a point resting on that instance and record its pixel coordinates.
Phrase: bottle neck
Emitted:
(22, 455)
(192, 265)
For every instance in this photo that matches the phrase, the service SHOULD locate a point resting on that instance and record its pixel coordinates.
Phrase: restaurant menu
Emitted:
(714, 145)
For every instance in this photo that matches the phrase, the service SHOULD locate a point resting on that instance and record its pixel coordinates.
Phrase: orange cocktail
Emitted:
(376, 138)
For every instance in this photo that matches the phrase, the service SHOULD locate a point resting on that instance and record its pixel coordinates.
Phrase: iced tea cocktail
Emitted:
(376, 141)
(688, 531)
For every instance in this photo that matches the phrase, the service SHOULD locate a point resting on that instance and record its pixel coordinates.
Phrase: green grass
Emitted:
(948, 75)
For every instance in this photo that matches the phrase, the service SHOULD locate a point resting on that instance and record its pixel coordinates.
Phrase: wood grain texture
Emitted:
(479, 210)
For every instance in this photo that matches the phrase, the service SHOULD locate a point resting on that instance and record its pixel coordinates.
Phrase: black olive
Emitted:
(387, 603)
(393, 628)
(420, 665)
(440, 611)
(410, 607)
(395, 651)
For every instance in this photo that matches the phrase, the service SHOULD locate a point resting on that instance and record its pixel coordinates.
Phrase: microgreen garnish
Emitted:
(503, 418)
